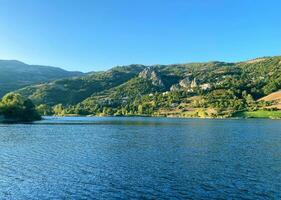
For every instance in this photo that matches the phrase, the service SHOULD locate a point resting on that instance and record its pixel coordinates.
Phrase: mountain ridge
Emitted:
(213, 88)
(15, 74)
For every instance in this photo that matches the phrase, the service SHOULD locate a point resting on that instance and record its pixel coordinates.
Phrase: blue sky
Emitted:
(89, 35)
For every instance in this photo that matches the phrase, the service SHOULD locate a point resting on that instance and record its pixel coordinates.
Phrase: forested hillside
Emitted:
(212, 89)
(15, 74)
(74, 90)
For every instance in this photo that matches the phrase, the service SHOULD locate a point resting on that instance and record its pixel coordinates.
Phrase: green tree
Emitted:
(15, 107)
(44, 109)
(58, 110)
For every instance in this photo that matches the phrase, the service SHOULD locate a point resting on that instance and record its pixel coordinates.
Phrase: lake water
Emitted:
(141, 158)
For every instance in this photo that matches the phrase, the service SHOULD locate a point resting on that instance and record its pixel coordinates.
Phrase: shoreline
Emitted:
(4, 120)
(155, 116)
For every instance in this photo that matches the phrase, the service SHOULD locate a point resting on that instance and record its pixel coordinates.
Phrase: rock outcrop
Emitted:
(150, 74)
(175, 87)
(185, 82)
(205, 86)
(194, 83)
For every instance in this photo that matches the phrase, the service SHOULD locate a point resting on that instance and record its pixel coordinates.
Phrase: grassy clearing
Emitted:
(259, 114)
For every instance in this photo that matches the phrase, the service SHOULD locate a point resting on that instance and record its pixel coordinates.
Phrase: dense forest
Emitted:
(212, 89)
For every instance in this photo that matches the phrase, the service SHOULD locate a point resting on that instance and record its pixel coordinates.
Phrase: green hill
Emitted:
(74, 90)
(15, 74)
(211, 89)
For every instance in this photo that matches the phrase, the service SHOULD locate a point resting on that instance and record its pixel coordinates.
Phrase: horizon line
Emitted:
(123, 65)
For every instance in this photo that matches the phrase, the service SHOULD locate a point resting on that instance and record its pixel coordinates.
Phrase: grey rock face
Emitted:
(150, 74)
(185, 82)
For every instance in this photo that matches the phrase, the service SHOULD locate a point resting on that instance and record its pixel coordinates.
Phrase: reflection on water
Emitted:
(150, 158)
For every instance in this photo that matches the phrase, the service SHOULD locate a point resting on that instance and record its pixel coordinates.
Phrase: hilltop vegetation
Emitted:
(212, 89)
(15, 74)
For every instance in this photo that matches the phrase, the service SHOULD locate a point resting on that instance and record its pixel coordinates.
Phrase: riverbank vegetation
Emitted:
(16, 108)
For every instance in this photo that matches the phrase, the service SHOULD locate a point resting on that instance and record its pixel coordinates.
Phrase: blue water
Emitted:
(141, 158)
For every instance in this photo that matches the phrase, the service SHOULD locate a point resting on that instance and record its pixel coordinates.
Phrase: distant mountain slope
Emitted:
(75, 90)
(15, 74)
(223, 87)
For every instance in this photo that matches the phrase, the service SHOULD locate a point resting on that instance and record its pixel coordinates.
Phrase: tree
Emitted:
(15, 107)
(58, 109)
(44, 109)
(140, 109)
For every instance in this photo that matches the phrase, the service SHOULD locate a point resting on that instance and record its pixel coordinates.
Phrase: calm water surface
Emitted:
(143, 158)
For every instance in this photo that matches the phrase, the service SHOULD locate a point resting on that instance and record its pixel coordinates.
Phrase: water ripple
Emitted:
(141, 158)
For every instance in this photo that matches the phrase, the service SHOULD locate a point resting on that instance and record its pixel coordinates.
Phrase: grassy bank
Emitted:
(259, 114)
(202, 113)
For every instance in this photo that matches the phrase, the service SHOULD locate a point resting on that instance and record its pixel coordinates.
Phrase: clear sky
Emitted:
(92, 35)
